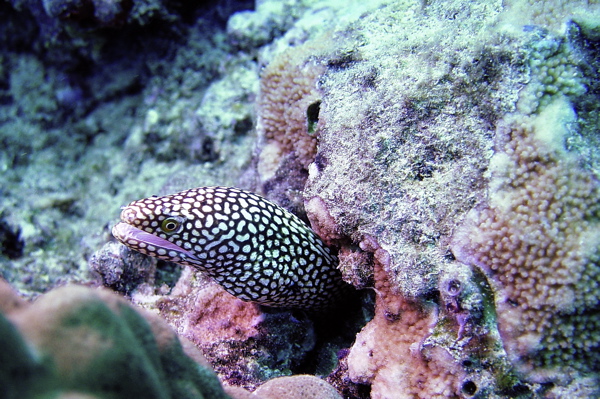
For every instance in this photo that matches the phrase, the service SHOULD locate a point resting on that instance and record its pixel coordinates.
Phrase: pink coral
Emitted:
(388, 353)
(538, 240)
(289, 98)
(297, 387)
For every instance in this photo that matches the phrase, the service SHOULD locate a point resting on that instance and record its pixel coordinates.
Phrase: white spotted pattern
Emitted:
(255, 249)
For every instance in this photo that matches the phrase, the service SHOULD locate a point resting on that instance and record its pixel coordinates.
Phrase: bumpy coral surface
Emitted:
(388, 353)
(446, 148)
(245, 344)
(403, 155)
(289, 105)
(539, 240)
(79, 340)
(297, 387)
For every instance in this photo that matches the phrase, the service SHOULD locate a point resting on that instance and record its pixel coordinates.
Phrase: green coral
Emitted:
(554, 71)
(86, 341)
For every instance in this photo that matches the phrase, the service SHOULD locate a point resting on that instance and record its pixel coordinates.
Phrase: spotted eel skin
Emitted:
(252, 247)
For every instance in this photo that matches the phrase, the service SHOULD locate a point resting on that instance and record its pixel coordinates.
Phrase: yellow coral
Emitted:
(539, 242)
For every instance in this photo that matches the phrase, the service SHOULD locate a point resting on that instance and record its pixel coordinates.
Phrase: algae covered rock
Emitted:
(456, 166)
(88, 341)
(448, 149)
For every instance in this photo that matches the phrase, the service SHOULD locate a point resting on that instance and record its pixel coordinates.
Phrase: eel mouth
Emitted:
(132, 237)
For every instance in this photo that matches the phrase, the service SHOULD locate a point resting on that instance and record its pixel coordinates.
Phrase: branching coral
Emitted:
(538, 240)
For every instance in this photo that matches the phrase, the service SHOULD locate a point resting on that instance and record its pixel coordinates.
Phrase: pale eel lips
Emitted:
(126, 233)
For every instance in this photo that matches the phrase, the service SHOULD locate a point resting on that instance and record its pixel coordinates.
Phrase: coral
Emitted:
(226, 112)
(551, 15)
(102, 12)
(396, 355)
(538, 240)
(250, 29)
(77, 342)
(53, 193)
(297, 387)
(403, 146)
(223, 113)
(446, 347)
(106, 13)
(246, 345)
(388, 161)
(9, 298)
(288, 106)
(81, 340)
(415, 98)
(554, 72)
(289, 102)
(217, 316)
(32, 90)
(121, 270)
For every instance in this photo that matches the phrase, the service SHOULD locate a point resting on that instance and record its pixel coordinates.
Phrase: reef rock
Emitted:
(455, 166)
(80, 342)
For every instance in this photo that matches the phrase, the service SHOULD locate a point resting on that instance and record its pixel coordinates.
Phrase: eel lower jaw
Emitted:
(130, 235)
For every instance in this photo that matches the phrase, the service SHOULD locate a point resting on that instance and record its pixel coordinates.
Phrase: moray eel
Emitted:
(252, 247)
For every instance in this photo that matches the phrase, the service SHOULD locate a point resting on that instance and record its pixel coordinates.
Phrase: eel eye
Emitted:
(170, 225)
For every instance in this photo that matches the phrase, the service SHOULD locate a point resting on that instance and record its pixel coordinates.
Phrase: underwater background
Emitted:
(448, 151)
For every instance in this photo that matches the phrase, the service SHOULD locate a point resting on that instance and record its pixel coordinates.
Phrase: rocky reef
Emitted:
(79, 342)
(446, 150)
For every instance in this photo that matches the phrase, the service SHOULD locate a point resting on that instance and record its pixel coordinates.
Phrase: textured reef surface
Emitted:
(447, 151)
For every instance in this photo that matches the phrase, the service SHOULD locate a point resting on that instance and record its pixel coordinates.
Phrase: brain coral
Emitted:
(78, 342)
(77, 339)
(538, 240)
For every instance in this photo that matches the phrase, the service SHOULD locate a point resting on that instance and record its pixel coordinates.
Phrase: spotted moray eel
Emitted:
(252, 247)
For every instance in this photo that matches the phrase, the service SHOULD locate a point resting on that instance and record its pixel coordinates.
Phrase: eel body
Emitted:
(252, 247)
